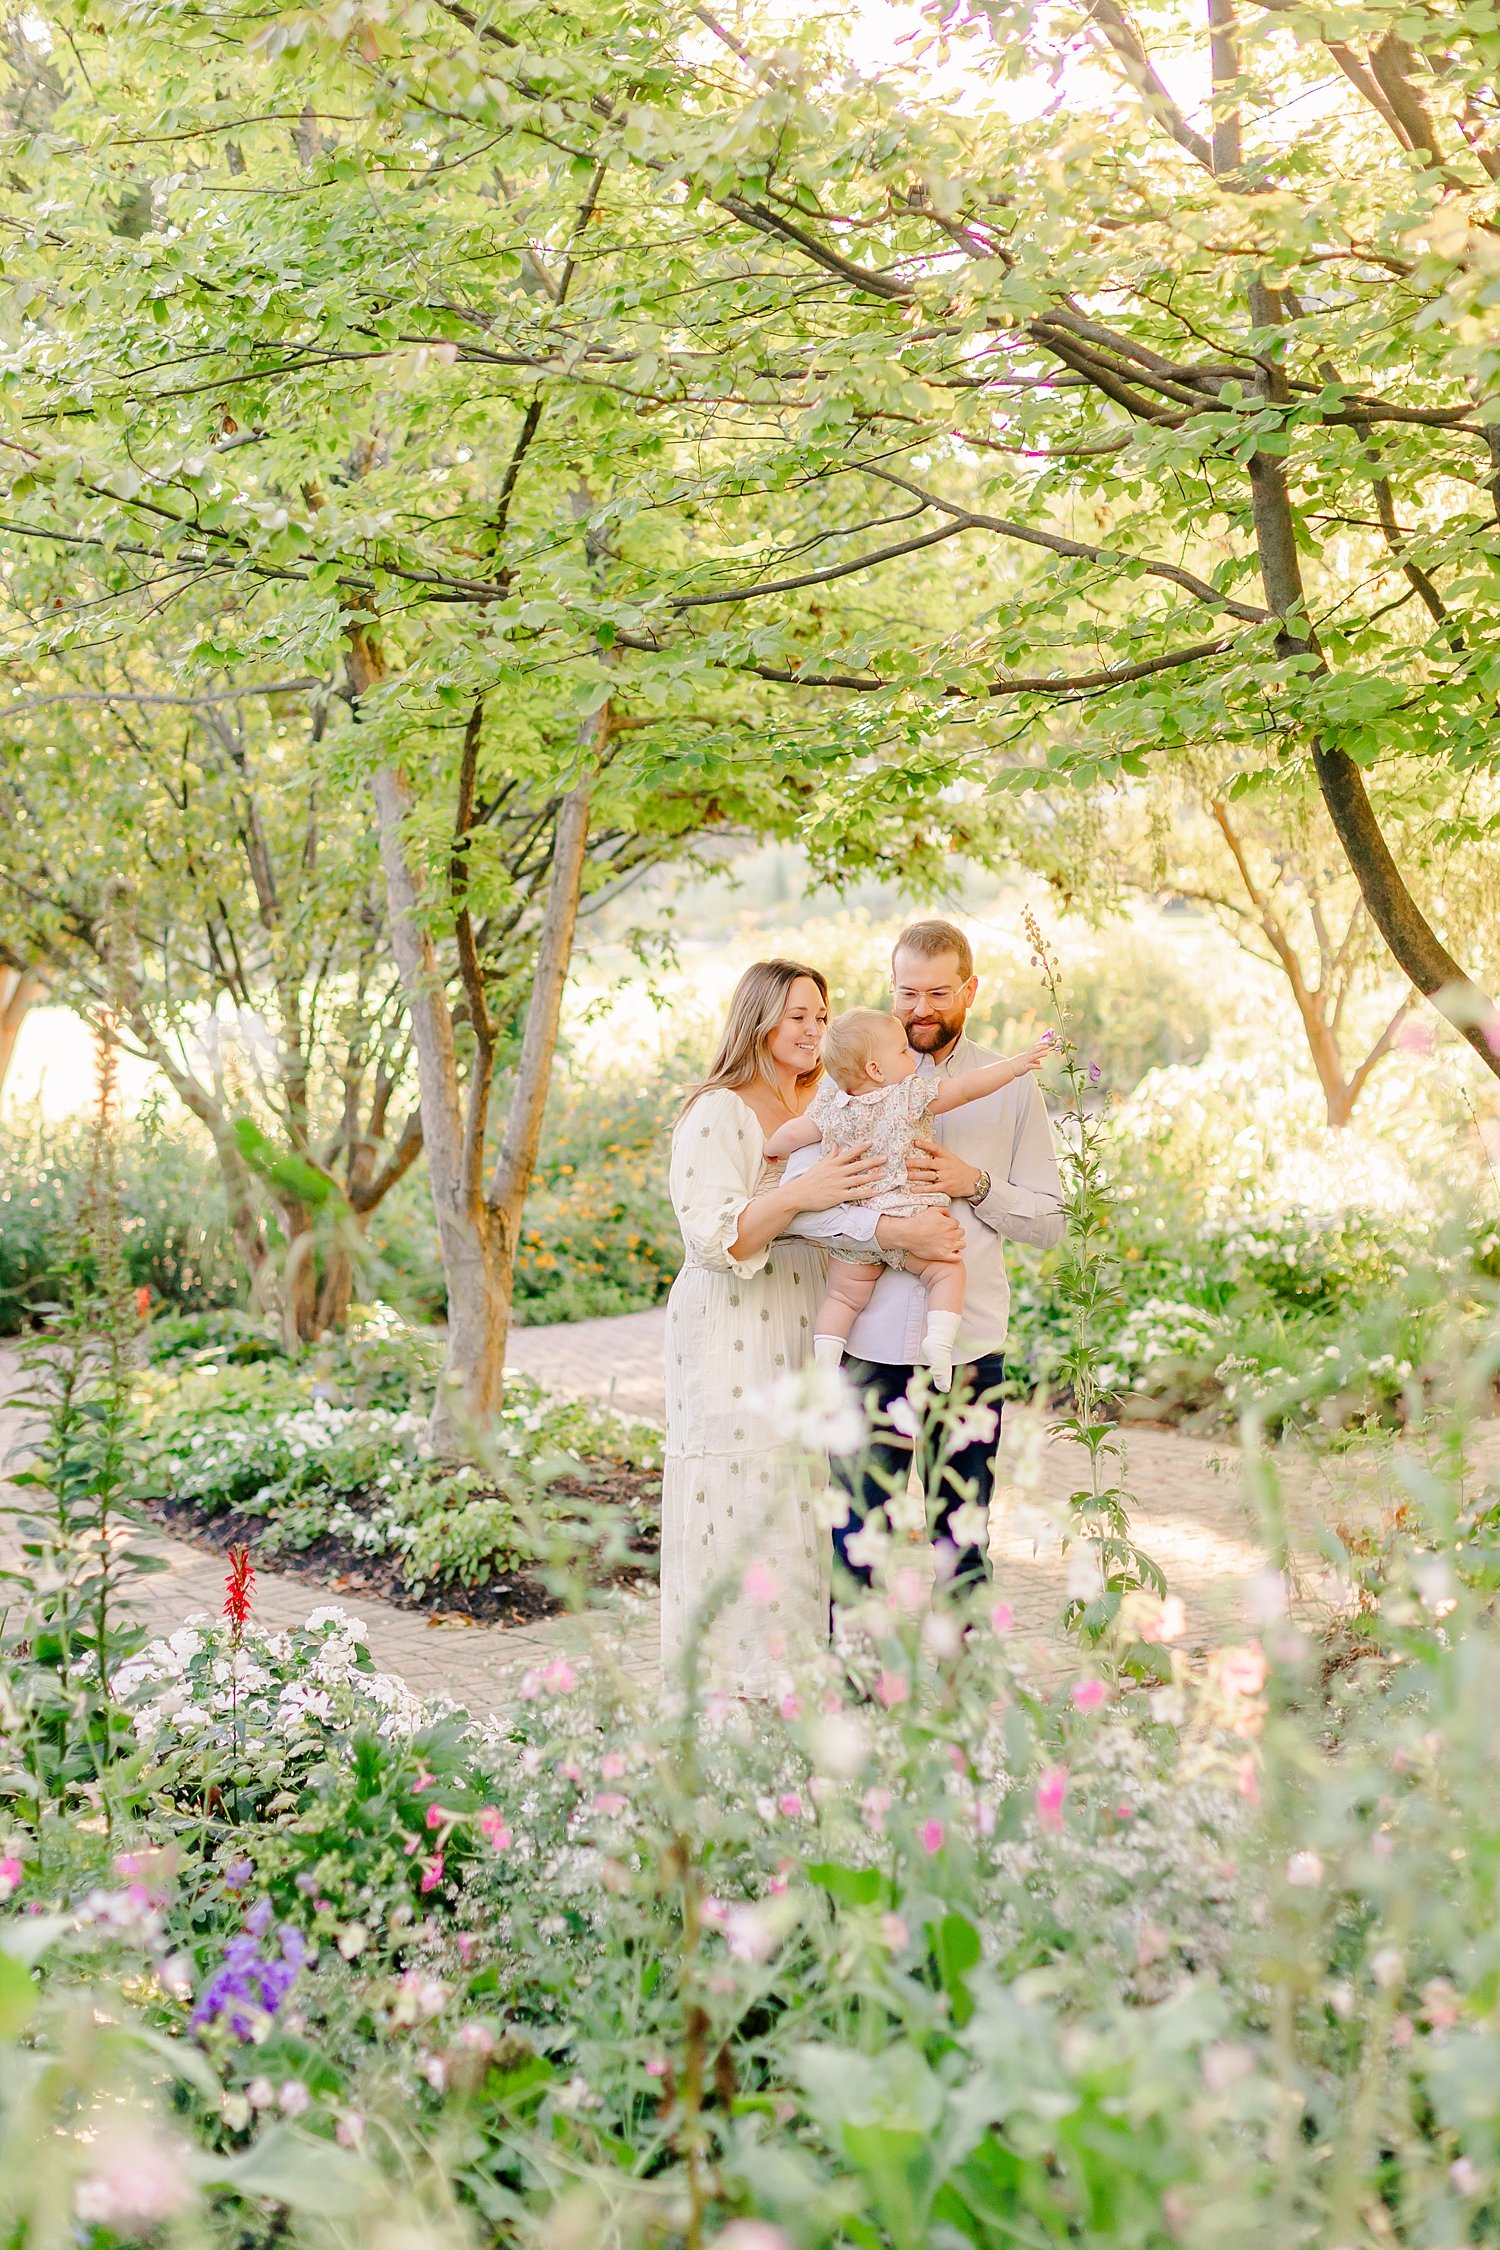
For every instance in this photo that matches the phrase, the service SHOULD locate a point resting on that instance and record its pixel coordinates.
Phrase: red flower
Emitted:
(239, 1583)
(142, 1302)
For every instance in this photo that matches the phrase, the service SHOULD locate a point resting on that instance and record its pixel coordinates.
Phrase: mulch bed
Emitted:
(517, 1597)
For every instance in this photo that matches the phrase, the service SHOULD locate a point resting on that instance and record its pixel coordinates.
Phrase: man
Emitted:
(995, 1159)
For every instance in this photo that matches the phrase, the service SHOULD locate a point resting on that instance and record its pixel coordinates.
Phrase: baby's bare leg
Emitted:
(845, 1296)
(944, 1280)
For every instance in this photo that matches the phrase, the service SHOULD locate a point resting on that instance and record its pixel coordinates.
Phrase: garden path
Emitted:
(1193, 1517)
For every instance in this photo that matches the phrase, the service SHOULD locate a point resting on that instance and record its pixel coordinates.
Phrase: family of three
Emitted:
(844, 1188)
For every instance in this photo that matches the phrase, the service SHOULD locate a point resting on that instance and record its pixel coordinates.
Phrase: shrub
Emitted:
(175, 1235)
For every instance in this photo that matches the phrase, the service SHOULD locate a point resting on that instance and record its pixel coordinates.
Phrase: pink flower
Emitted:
(492, 1827)
(424, 1780)
(748, 1933)
(1242, 1671)
(877, 1803)
(791, 1708)
(1089, 1694)
(1247, 1780)
(610, 1803)
(432, 1872)
(790, 1805)
(931, 1834)
(1051, 1795)
(1153, 1620)
(613, 1764)
(556, 1678)
(892, 1688)
(894, 1934)
(11, 1872)
(438, 1818)
(656, 2068)
(751, 2234)
(760, 1583)
(714, 1912)
(1003, 1618)
(984, 1817)
(569, 1772)
(138, 2181)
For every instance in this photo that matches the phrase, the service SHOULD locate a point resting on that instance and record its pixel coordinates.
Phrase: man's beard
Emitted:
(932, 1037)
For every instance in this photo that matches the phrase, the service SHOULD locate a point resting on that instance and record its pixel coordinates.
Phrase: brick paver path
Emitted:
(1192, 1516)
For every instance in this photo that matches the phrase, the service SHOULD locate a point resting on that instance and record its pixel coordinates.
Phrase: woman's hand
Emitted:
(847, 1178)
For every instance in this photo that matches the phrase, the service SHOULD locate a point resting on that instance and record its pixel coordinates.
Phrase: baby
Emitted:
(872, 1093)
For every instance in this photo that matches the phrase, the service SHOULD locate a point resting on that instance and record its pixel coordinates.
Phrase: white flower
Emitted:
(351, 1628)
(870, 1545)
(970, 1525)
(815, 1408)
(1304, 1871)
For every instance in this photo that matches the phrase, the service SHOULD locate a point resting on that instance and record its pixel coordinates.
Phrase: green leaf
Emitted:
(851, 1886)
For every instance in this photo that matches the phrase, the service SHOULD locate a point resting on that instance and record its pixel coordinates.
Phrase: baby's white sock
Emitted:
(937, 1348)
(828, 1351)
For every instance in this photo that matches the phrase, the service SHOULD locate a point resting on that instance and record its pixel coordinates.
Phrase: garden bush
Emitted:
(176, 1237)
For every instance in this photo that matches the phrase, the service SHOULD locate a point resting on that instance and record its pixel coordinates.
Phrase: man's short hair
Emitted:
(931, 938)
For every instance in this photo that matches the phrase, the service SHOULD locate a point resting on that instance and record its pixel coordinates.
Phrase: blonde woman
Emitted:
(742, 1543)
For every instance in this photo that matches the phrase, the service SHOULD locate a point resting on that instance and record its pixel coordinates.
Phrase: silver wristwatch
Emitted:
(980, 1189)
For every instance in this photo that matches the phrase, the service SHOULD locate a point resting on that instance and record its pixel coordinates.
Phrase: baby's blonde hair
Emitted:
(853, 1040)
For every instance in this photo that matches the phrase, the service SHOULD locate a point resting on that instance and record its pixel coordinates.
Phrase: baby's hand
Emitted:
(1035, 1056)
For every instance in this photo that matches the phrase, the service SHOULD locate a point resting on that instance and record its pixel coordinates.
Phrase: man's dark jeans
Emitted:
(965, 1474)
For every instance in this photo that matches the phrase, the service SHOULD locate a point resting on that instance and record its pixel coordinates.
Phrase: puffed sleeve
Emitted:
(716, 1161)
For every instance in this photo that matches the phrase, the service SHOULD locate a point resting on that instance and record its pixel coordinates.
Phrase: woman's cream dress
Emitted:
(744, 1539)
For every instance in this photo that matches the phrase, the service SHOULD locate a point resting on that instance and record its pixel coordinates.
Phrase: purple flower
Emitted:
(250, 1984)
(238, 1874)
(1095, 1074)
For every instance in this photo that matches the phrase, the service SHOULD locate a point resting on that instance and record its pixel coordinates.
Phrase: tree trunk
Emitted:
(1414, 944)
(20, 989)
(469, 1388)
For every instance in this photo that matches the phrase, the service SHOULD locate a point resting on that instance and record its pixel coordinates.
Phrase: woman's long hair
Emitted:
(744, 1049)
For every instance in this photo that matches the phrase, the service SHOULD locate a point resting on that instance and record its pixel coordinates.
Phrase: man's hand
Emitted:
(923, 1234)
(930, 1166)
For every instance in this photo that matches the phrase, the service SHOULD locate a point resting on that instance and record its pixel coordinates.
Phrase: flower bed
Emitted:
(323, 1464)
(955, 1956)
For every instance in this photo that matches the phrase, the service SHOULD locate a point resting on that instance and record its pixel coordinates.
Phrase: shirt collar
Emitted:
(935, 1069)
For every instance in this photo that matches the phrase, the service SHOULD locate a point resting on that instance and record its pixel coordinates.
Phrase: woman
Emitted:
(741, 1542)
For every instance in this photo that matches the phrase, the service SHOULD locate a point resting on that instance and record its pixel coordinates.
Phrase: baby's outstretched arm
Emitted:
(990, 1077)
(801, 1133)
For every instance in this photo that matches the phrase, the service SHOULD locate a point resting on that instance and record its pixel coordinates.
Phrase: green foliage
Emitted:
(934, 1952)
(174, 1234)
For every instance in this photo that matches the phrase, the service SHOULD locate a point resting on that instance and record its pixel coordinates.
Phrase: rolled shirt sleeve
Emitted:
(856, 1220)
(1025, 1200)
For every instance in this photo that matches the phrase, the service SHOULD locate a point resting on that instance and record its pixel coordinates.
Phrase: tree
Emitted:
(435, 532)
(258, 972)
(1275, 879)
